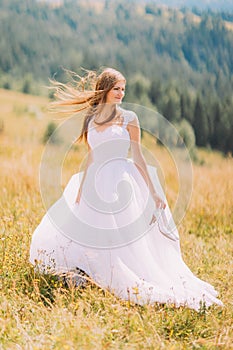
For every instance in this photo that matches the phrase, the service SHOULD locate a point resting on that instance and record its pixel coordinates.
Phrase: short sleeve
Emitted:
(129, 116)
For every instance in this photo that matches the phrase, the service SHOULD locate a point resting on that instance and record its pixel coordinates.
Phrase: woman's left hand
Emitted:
(159, 204)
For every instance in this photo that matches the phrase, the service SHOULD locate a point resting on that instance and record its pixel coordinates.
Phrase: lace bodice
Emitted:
(111, 142)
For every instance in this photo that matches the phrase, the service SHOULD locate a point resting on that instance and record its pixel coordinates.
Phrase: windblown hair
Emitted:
(85, 93)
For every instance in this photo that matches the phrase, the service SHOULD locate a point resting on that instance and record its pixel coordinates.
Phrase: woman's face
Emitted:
(116, 94)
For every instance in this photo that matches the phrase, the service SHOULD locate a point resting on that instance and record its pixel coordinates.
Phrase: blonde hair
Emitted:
(85, 93)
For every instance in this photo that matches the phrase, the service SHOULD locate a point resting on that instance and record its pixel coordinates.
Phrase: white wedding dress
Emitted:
(108, 234)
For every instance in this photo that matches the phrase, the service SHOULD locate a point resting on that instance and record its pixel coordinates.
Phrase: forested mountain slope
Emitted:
(177, 61)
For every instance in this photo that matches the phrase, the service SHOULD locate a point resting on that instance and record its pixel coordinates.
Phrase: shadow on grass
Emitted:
(44, 287)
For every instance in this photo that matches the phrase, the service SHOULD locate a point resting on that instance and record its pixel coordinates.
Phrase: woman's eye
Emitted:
(119, 89)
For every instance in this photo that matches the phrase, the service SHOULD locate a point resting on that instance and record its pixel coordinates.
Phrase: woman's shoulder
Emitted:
(128, 115)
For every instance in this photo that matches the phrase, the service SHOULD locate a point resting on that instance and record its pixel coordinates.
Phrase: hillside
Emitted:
(74, 34)
(219, 5)
(40, 312)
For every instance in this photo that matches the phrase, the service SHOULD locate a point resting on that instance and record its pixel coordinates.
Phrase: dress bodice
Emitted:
(113, 141)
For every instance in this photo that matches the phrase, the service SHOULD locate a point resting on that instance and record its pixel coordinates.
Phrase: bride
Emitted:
(112, 220)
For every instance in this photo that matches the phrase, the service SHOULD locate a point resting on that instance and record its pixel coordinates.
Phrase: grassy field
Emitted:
(38, 312)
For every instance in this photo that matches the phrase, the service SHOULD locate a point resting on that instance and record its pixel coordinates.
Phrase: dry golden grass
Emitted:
(37, 312)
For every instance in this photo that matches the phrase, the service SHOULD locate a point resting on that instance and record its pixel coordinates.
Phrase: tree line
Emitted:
(175, 61)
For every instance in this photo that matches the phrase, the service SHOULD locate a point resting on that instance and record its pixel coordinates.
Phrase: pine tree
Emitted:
(200, 124)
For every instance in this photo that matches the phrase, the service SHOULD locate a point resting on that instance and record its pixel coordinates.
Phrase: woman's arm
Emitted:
(89, 161)
(139, 160)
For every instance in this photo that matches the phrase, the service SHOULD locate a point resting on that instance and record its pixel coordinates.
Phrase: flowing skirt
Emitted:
(108, 236)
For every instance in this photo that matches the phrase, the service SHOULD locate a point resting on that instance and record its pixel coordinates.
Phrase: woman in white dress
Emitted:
(111, 219)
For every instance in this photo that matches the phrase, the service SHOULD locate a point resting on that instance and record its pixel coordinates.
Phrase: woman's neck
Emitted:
(105, 112)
